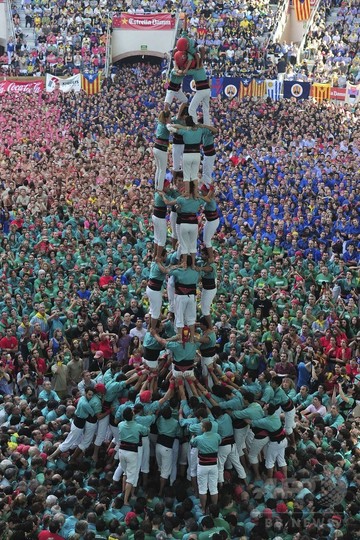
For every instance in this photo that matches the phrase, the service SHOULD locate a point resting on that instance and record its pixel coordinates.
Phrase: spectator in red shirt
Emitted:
(52, 533)
(343, 353)
(106, 279)
(352, 368)
(9, 343)
(325, 340)
(108, 345)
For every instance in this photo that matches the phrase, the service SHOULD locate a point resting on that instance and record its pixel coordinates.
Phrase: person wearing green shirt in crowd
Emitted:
(130, 433)
(207, 470)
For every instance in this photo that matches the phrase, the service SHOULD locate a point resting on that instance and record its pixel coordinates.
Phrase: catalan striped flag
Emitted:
(321, 92)
(258, 88)
(302, 9)
(91, 83)
(245, 88)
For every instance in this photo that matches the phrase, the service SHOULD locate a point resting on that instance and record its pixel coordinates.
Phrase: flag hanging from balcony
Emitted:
(302, 9)
(90, 82)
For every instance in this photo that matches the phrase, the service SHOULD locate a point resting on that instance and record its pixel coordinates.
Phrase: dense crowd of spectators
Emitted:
(333, 45)
(72, 37)
(76, 250)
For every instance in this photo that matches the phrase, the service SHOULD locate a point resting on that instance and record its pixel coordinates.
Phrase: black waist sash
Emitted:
(260, 433)
(186, 217)
(288, 406)
(130, 447)
(202, 85)
(160, 211)
(173, 86)
(278, 435)
(207, 353)
(227, 440)
(209, 150)
(165, 440)
(239, 423)
(184, 365)
(208, 283)
(155, 284)
(192, 148)
(208, 459)
(151, 354)
(211, 215)
(185, 289)
(79, 422)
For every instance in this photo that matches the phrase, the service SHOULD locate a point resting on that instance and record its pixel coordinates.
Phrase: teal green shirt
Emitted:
(84, 409)
(130, 431)
(270, 423)
(188, 205)
(253, 411)
(169, 427)
(207, 443)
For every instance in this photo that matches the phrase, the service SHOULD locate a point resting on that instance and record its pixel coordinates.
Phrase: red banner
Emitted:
(21, 87)
(155, 21)
(337, 93)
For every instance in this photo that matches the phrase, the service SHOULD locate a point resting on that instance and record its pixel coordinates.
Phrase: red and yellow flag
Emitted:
(321, 92)
(302, 9)
(91, 83)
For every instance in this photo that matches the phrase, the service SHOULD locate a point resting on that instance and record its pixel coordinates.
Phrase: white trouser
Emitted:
(206, 361)
(160, 230)
(164, 459)
(155, 299)
(118, 471)
(208, 164)
(174, 226)
(207, 479)
(129, 464)
(102, 427)
(188, 235)
(170, 287)
(207, 297)
(255, 448)
(201, 97)
(175, 457)
(183, 453)
(145, 458)
(229, 453)
(209, 231)
(177, 156)
(152, 364)
(88, 436)
(185, 310)
(240, 438)
(275, 453)
(192, 462)
(161, 159)
(289, 422)
(179, 95)
(73, 439)
(191, 166)
(115, 433)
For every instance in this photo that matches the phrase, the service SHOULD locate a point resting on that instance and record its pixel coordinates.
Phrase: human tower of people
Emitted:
(208, 441)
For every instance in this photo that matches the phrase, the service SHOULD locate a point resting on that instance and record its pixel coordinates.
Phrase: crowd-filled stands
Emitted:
(333, 45)
(72, 38)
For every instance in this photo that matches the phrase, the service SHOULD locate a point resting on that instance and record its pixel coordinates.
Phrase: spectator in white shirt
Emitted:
(139, 330)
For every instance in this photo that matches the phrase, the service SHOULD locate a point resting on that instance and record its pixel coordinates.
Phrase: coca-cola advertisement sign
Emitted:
(21, 87)
(155, 21)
